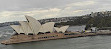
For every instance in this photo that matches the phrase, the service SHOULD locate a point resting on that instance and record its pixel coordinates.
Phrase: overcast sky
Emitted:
(14, 10)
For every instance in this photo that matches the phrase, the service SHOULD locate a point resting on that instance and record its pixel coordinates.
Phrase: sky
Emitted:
(14, 10)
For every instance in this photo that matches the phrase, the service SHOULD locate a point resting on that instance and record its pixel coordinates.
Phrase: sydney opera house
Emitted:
(32, 26)
(33, 30)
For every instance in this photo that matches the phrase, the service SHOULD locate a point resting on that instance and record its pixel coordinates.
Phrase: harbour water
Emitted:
(91, 42)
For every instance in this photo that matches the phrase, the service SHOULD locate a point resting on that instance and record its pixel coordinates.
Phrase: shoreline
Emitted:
(16, 41)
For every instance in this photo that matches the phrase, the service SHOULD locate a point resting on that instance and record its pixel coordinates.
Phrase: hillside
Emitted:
(96, 19)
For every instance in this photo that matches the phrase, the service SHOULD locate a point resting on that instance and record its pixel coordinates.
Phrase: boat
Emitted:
(33, 30)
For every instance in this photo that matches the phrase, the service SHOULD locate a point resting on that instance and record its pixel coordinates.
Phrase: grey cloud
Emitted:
(30, 5)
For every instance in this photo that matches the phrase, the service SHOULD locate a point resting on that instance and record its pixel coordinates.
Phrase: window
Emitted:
(22, 33)
(47, 37)
(30, 34)
(70, 34)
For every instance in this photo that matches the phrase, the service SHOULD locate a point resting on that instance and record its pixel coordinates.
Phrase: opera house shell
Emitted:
(32, 26)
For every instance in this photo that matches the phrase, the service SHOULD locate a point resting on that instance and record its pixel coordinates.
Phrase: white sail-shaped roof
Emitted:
(34, 24)
(25, 27)
(57, 29)
(61, 29)
(47, 27)
(64, 28)
(17, 28)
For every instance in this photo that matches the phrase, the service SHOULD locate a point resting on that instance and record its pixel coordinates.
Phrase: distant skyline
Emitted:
(14, 10)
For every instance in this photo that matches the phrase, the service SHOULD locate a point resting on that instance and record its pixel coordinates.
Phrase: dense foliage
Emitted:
(100, 20)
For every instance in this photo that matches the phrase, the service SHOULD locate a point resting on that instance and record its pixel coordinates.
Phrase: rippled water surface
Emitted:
(92, 42)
